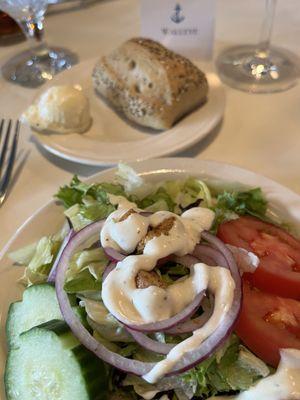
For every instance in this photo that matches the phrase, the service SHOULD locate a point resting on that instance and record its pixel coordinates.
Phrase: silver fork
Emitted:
(7, 154)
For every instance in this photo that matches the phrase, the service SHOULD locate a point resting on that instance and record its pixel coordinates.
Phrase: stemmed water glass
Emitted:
(259, 68)
(42, 62)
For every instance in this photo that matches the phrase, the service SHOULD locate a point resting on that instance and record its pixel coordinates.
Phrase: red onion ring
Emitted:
(52, 274)
(246, 260)
(108, 270)
(113, 254)
(190, 325)
(170, 322)
(146, 213)
(80, 332)
(219, 245)
(133, 366)
(218, 337)
(203, 251)
(150, 344)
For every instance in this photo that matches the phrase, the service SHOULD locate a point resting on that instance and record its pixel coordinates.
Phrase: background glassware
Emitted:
(41, 62)
(7, 25)
(259, 68)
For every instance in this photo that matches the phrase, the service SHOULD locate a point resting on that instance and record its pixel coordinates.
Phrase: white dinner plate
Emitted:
(49, 218)
(111, 138)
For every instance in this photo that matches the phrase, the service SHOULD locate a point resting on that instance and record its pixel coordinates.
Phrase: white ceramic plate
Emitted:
(50, 218)
(111, 138)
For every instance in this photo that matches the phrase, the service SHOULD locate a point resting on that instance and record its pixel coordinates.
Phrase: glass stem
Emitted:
(267, 27)
(34, 31)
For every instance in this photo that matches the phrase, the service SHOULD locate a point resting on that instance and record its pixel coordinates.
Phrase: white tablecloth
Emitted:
(259, 132)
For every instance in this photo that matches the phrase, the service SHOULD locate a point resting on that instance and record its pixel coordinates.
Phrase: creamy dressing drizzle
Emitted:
(283, 385)
(222, 286)
(137, 306)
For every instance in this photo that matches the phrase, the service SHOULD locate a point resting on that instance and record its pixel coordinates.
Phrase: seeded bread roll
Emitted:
(150, 84)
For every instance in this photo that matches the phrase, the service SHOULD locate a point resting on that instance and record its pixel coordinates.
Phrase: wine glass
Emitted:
(40, 63)
(259, 68)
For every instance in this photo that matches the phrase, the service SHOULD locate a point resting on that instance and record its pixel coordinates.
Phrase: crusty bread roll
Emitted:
(150, 84)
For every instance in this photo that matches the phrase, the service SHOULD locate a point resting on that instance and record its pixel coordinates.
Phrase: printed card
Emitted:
(185, 26)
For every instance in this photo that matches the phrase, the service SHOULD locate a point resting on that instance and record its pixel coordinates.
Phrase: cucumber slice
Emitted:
(50, 364)
(39, 305)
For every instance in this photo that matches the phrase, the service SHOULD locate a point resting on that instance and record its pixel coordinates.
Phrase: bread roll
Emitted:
(150, 84)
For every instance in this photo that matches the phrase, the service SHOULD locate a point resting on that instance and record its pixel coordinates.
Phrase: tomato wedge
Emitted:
(268, 323)
(279, 253)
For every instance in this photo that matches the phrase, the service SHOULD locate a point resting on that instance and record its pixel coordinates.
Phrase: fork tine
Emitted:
(5, 144)
(1, 127)
(7, 174)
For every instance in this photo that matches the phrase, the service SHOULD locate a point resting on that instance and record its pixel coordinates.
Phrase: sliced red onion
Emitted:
(202, 251)
(150, 344)
(164, 260)
(133, 366)
(146, 213)
(246, 260)
(190, 325)
(52, 274)
(170, 322)
(108, 270)
(82, 334)
(219, 245)
(113, 254)
(218, 337)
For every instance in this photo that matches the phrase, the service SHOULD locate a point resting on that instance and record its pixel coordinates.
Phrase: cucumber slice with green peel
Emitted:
(39, 305)
(50, 364)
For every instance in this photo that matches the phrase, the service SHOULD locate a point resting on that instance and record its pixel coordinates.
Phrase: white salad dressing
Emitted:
(125, 235)
(283, 385)
(152, 304)
(121, 202)
(222, 286)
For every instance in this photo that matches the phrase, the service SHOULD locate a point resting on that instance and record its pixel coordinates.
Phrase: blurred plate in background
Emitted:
(112, 138)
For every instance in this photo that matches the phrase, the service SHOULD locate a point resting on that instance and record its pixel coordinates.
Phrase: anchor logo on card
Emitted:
(177, 16)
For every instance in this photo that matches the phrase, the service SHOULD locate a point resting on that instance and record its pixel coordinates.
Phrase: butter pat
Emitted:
(60, 109)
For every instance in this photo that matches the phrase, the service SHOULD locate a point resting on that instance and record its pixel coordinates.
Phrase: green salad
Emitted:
(46, 360)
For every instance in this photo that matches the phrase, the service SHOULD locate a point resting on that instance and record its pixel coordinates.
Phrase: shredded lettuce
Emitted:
(229, 205)
(81, 282)
(37, 259)
(133, 184)
(86, 203)
(85, 271)
(24, 255)
(237, 369)
(148, 391)
(172, 271)
(159, 200)
(76, 191)
(177, 196)
(232, 368)
(107, 325)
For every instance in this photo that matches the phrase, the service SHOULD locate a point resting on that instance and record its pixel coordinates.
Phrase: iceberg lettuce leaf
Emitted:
(229, 205)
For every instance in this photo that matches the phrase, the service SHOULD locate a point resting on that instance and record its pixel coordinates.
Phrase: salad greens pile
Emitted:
(231, 368)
